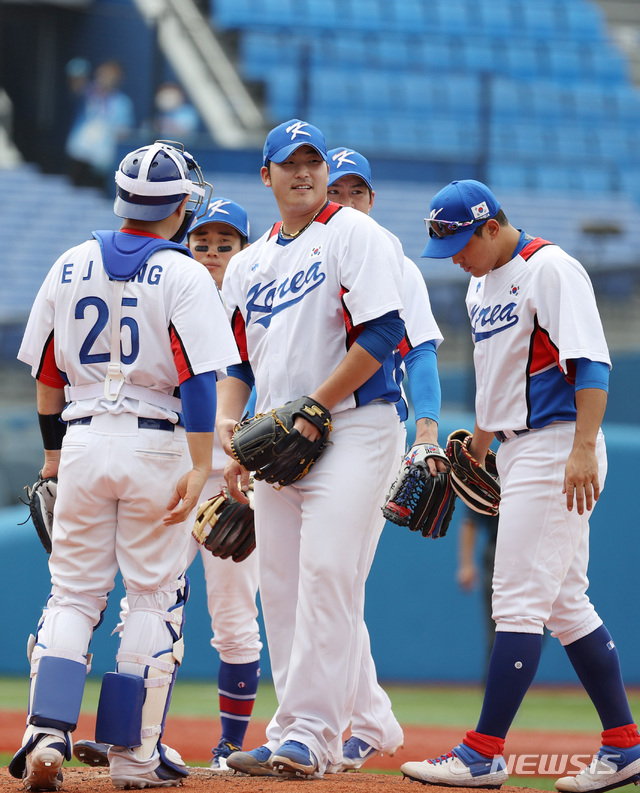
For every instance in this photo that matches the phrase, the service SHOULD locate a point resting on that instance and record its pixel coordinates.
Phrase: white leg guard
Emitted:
(134, 700)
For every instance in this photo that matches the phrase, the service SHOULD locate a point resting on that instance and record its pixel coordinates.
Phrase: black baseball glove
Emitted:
(42, 497)
(477, 486)
(418, 500)
(270, 447)
(225, 527)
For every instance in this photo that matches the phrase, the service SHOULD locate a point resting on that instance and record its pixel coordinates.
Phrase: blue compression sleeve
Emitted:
(242, 371)
(199, 400)
(424, 382)
(591, 374)
(382, 335)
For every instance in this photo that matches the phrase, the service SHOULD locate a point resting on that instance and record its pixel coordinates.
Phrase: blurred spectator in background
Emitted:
(175, 118)
(104, 115)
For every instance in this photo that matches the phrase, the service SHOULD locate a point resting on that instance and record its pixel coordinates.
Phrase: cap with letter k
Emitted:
(284, 139)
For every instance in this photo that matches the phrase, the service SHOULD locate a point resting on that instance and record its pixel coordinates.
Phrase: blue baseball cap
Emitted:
(284, 139)
(455, 213)
(223, 210)
(347, 162)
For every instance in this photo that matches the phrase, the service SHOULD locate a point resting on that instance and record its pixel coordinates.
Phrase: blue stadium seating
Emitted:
(408, 16)
(580, 21)
(539, 19)
(532, 80)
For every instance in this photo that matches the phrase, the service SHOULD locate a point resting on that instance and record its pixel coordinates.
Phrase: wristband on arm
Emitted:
(52, 429)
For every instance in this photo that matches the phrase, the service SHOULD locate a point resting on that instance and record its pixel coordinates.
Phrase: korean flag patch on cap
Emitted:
(480, 210)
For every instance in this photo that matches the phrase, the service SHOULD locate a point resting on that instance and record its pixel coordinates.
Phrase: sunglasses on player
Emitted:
(445, 228)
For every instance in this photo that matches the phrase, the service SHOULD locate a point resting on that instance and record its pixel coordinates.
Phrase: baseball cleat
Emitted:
(612, 767)
(294, 759)
(255, 763)
(91, 753)
(44, 764)
(355, 753)
(462, 767)
(162, 776)
(220, 753)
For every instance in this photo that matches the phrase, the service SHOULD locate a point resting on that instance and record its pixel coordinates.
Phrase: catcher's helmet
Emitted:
(153, 180)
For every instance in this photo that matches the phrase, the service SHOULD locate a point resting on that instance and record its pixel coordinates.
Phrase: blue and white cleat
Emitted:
(355, 753)
(461, 767)
(257, 762)
(222, 751)
(612, 767)
(294, 759)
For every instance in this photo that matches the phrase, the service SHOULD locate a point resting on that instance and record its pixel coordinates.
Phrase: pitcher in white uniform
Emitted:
(542, 372)
(316, 308)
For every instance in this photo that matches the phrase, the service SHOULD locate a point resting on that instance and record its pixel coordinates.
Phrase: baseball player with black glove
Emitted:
(542, 371)
(120, 322)
(374, 727)
(316, 306)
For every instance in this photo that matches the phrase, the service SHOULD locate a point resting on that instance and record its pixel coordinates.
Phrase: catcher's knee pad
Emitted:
(57, 687)
(132, 708)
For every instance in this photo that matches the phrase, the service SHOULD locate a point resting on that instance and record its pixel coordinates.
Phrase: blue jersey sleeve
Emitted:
(591, 374)
(198, 394)
(424, 381)
(380, 336)
(242, 371)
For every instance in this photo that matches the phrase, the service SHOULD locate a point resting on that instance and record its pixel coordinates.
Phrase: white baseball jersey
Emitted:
(420, 324)
(68, 335)
(311, 294)
(529, 318)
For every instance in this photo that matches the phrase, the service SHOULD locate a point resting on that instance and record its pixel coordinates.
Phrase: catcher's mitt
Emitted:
(477, 486)
(418, 500)
(270, 447)
(42, 497)
(225, 527)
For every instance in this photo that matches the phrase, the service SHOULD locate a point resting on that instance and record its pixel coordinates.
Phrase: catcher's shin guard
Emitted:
(132, 709)
(55, 696)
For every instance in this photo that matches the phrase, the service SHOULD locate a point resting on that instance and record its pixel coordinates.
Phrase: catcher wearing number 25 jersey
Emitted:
(120, 322)
(542, 369)
(316, 306)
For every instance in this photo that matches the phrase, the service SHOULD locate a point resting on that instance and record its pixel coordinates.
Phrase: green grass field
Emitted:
(561, 709)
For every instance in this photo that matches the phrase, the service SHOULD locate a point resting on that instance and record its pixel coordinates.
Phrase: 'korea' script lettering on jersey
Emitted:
(260, 297)
(497, 318)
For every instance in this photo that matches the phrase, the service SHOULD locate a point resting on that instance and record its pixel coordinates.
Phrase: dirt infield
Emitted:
(81, 780)
(193, 738)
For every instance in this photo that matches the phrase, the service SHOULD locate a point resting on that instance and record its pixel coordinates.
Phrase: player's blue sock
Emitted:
(237, 687)
(597, 664)
(513, 665)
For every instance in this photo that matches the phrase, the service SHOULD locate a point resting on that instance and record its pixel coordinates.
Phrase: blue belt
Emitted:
(143, 423)
(504, 436)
